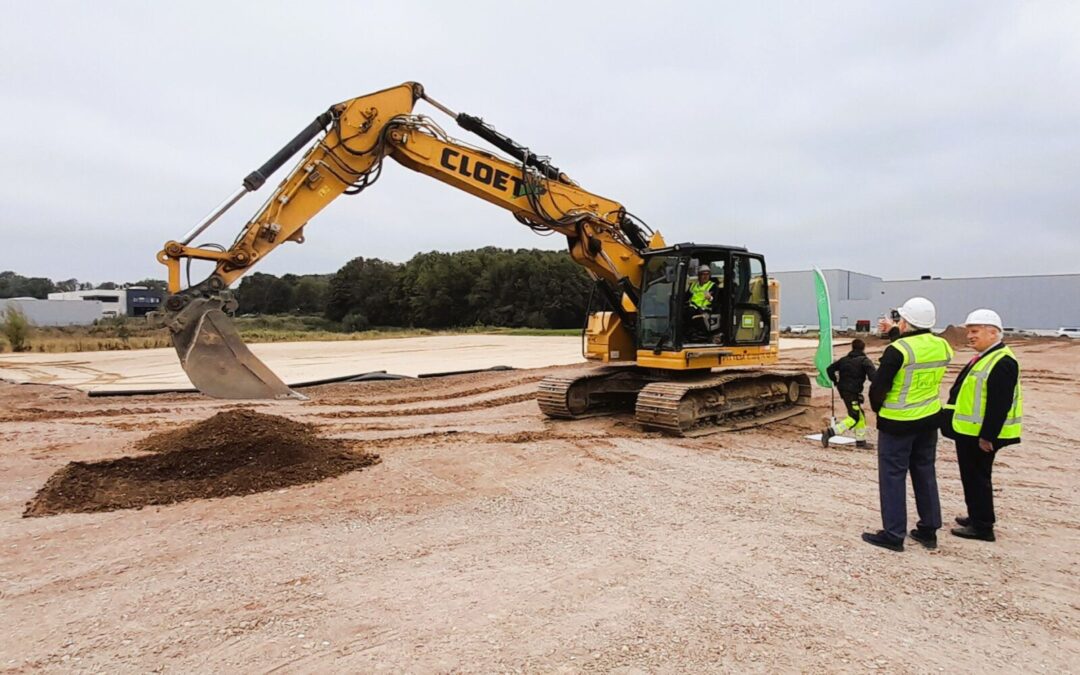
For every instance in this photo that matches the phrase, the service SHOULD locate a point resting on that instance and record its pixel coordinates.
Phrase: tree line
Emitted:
(14, 285)
(490, 286)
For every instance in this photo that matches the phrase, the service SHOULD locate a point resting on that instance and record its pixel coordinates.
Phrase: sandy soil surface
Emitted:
(301, 362)
(491, 539)
(297, 362)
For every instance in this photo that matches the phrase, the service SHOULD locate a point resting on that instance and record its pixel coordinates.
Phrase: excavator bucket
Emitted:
(216, 359)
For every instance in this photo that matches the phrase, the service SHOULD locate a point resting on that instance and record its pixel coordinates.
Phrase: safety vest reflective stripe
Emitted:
(698, 291)
(970, 408)
(909, 369)
(978, 407)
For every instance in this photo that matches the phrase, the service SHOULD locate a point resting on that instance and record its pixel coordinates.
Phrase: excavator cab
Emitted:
(700, 296)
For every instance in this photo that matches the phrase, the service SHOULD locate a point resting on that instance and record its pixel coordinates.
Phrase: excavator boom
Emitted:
(348, 144)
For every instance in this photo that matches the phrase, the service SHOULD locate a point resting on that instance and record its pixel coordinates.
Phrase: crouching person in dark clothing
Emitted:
(904, 394)
(983, 415)
(850, 373)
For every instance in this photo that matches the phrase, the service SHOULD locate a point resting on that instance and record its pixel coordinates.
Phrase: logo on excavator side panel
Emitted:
(485, 174)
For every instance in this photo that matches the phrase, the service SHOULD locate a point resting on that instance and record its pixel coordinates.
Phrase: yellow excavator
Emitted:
(687, 357)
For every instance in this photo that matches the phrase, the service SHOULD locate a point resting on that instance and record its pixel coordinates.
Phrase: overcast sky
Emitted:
(895, 139)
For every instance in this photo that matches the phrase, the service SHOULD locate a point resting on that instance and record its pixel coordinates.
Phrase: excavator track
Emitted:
(723, 402)
(602, 392)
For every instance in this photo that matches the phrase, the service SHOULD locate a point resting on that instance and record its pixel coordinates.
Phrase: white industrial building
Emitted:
(54, 312)
(134, 301)
(112, 303)
(1035, 302)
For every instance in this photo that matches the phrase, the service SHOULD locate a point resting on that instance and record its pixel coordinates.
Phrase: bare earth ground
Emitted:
(491, 539)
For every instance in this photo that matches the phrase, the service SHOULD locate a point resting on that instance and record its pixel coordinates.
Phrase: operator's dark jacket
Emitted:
(889, 365)
(849, 372)
(999, 395)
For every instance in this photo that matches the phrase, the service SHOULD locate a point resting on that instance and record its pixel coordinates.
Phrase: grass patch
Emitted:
(494, 330)
(131, 333)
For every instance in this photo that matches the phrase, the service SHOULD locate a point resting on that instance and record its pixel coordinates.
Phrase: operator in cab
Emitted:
(703, 298)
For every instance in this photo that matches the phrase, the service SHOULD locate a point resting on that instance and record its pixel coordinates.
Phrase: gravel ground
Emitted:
(492, 539)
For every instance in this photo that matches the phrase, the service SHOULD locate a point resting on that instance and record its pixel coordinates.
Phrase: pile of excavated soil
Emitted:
(955, 335)
(237, 452)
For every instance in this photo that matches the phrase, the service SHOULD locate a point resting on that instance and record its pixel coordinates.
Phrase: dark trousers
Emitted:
(853, 403)
(975, 469)
(898, 456)
(856, 419)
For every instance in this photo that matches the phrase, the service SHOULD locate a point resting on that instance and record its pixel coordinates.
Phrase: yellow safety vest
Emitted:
(970, 408)
(698, 291)
(914, 392)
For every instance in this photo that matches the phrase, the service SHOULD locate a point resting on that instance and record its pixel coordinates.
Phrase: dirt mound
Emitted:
(237, 452)
(955, 335)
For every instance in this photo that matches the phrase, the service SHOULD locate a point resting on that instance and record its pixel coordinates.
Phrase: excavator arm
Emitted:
(356, 136)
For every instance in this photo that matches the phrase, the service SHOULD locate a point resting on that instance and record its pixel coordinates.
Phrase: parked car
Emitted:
(1069, 332)
(798, 329)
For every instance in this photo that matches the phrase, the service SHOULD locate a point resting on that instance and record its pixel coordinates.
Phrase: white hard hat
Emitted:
(919, 312)
(983, 317)
(704, 268)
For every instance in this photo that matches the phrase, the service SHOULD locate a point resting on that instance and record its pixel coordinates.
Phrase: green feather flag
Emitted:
(823, 358)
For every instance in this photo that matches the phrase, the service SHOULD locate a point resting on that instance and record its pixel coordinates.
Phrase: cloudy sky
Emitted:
(896, 139)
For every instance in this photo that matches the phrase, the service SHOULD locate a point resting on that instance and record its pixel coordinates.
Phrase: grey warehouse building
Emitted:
(1036, 302)
(54, 312)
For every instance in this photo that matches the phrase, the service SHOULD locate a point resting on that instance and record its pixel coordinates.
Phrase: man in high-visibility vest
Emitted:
(702, 296)
(983, 415)
(904, 394)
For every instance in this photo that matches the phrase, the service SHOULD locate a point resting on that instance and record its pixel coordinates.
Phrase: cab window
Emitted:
(655, 314)
(750, 300)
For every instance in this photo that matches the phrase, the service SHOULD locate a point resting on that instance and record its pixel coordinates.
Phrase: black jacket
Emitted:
(850, 372)
(889, 365)
(999, 394)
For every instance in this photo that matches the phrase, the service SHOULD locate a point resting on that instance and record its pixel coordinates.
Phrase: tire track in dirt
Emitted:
(419, 398)
(397, 412)
(453, 436)
(44, 414)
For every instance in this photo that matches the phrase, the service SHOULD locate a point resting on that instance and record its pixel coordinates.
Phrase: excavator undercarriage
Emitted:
(693, 405)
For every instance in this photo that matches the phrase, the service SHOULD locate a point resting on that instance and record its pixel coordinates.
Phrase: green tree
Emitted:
(262, 293)
(14, 285)
(16, 328)
(310, 294)
(436, 287)
(355, 322)
(532, 288)
(153, 284)
(370, 287)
